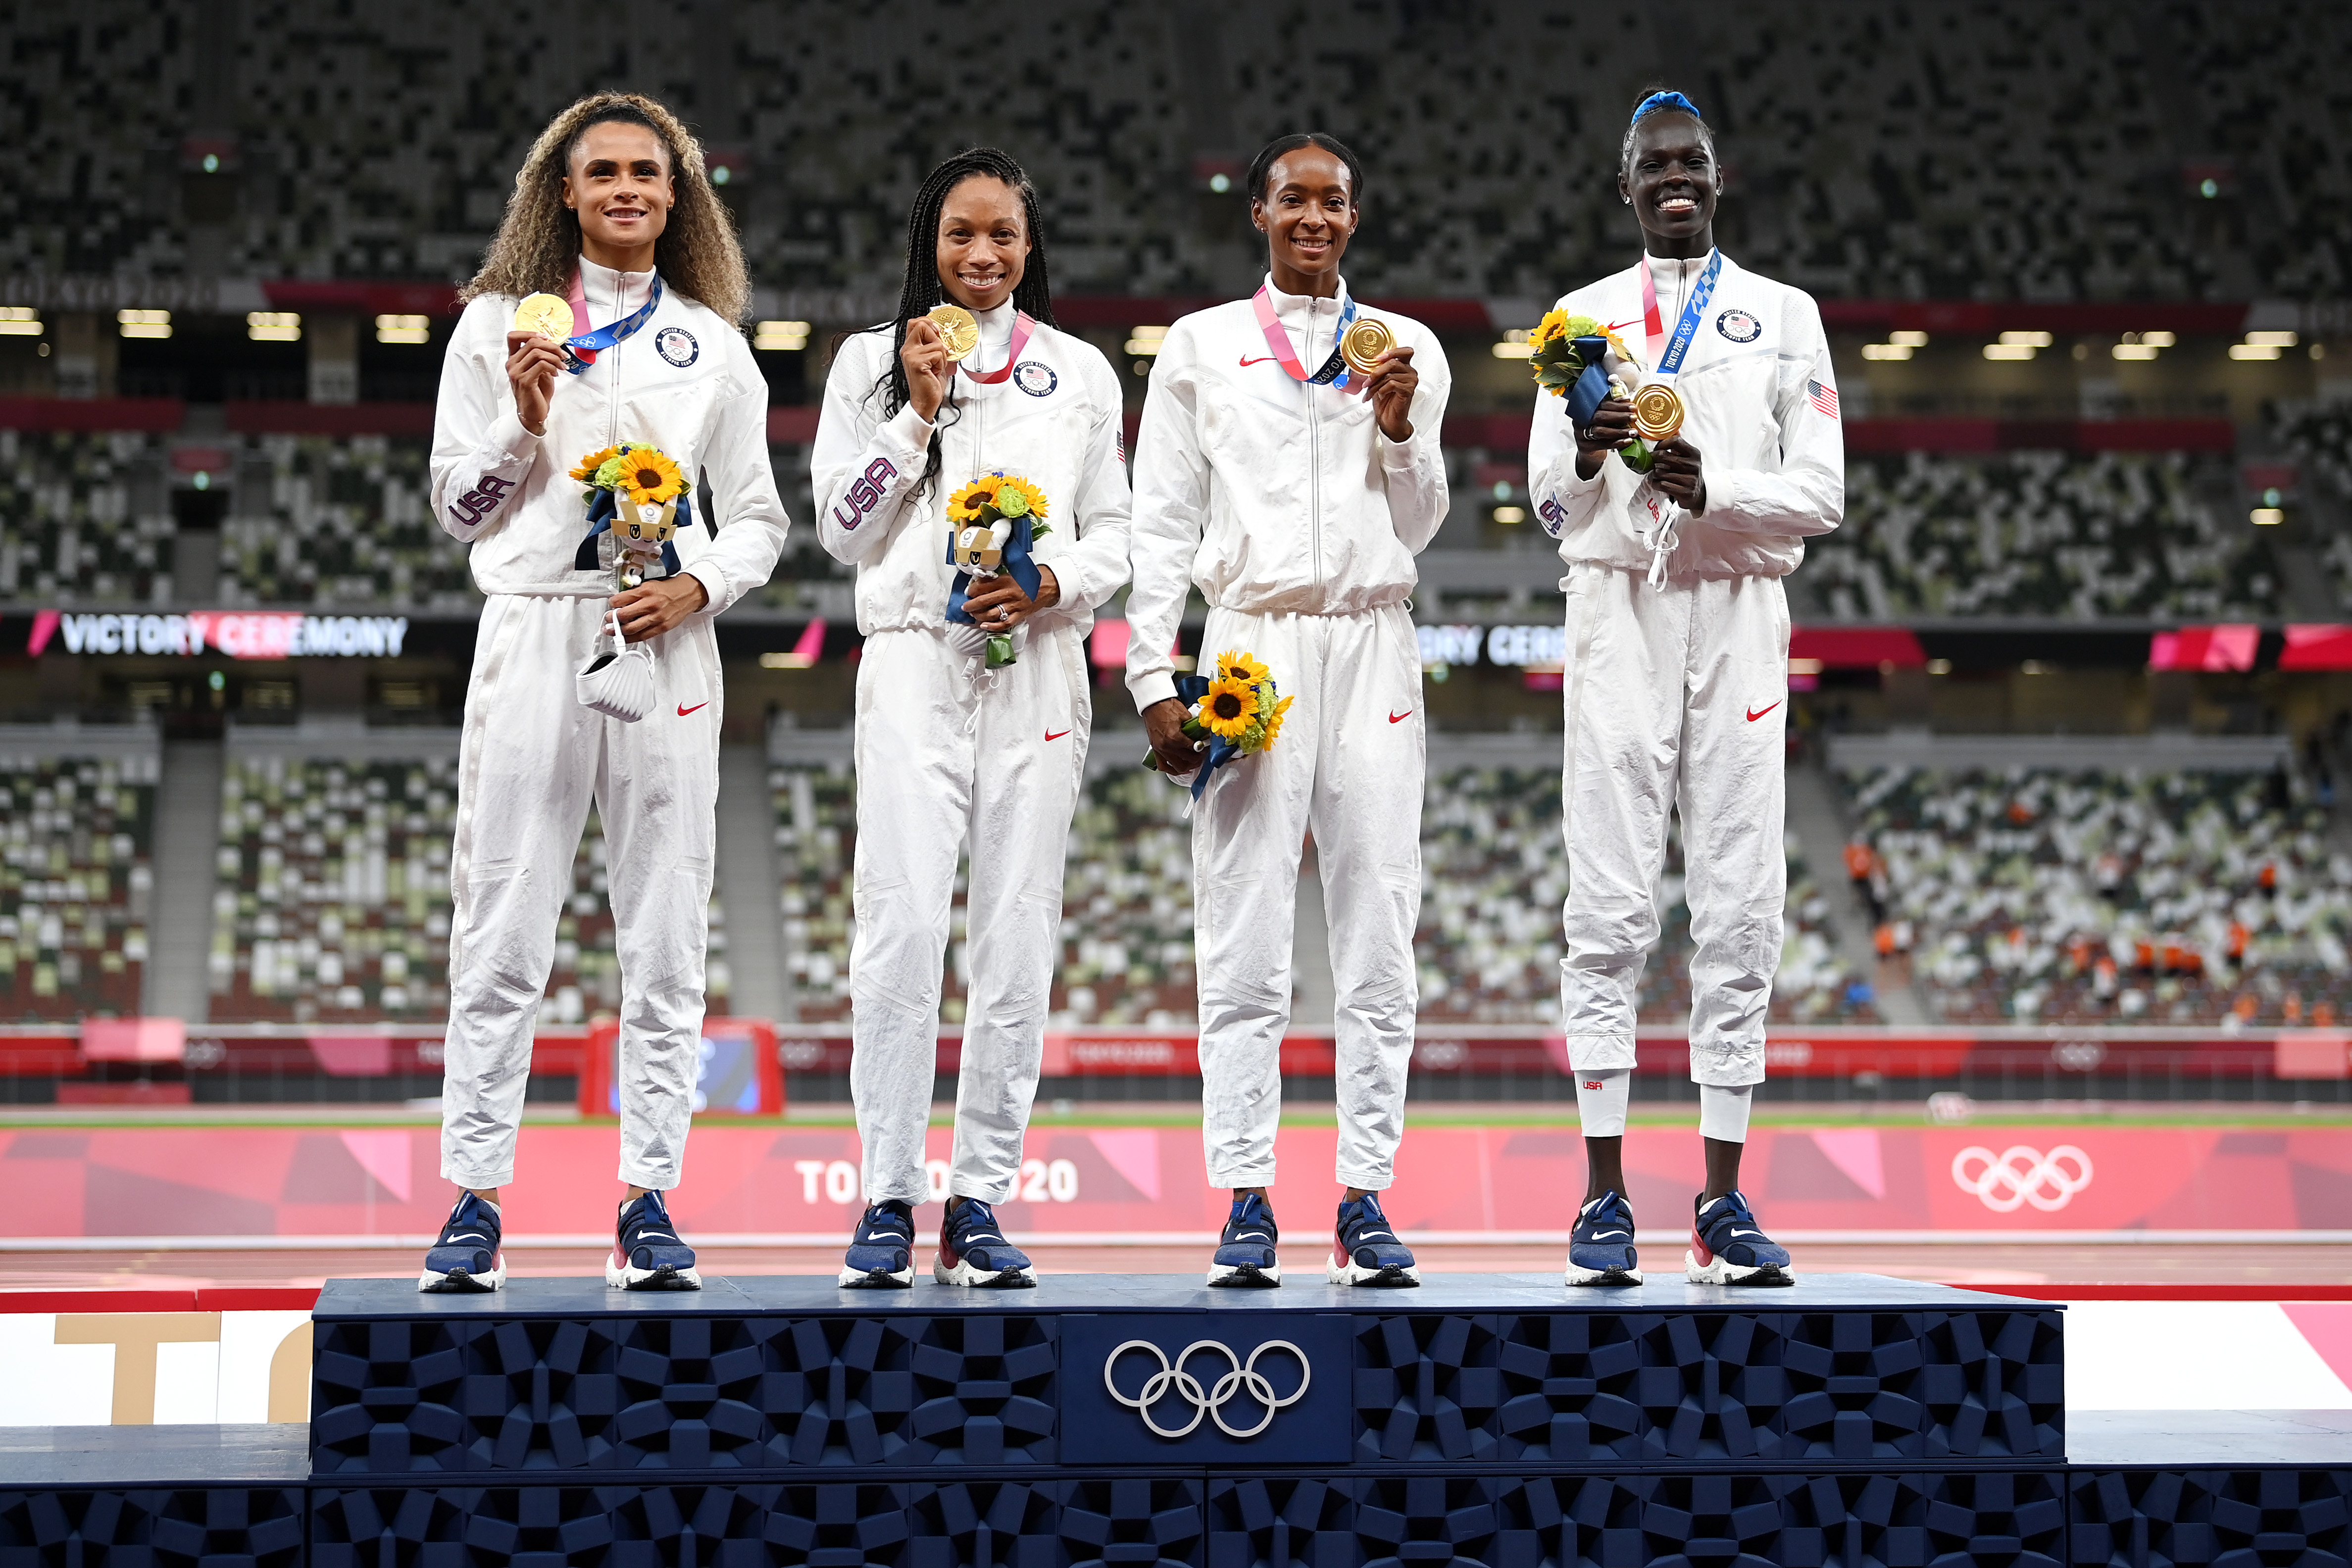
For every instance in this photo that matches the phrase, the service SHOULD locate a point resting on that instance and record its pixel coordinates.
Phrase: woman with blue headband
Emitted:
(1680, 495)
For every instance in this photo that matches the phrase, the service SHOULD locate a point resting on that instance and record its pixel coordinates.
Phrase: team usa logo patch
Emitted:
(1739, 326)
(677, 345)
(1036, 380)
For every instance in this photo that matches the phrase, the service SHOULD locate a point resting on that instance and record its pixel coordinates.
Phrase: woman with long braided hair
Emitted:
(954, 751)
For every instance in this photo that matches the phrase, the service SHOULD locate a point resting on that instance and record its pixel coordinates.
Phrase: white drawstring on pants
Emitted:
(1662, 547)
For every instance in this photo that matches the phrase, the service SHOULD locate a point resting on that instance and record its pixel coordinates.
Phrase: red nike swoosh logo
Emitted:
(1756, 713)
(1055, 734)
(1400, 717)
(696, 708)
(1261, 359)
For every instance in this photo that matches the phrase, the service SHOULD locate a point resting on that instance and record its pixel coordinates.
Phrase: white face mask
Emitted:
(618, 684)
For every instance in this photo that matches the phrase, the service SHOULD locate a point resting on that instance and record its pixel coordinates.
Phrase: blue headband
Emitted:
(1658, 100)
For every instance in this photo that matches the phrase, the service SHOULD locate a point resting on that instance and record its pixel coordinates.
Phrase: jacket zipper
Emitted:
(1314, 453)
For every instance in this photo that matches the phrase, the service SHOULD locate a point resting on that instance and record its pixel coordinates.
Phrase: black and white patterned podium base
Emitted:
(1496, 1419)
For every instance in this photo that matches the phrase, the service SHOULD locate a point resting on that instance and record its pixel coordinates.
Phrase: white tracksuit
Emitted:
(532, 756)
(949, 753)
(1299, 521)
(1677, 694)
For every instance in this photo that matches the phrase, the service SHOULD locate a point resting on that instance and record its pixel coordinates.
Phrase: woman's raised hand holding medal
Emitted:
(534, 355)
(928, 362)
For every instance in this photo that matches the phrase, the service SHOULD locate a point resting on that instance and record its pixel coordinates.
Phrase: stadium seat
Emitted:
(69, 529)
(331, 899)
(2039, 533)
(2090, 897)
(345, 523)
(77, 837)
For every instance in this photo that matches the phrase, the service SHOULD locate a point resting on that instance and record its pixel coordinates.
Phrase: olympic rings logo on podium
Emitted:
(1171, 1377)
(2021, 1175)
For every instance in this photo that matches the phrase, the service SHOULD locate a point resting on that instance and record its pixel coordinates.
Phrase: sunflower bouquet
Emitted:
(638, 494)
(1236, 711)
(994, 525)
(1576, 358)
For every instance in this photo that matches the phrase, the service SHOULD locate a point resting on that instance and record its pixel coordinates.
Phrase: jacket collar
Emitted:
(607, 288)
(1296, 311)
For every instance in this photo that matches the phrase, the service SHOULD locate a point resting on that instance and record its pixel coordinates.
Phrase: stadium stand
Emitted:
(1127, 904)
(68, 527)
(1493, 875)
(2098, 897)
(346, 523)
(332, 895)
(331, 899)
(1870, 160)
(77, 839)
(2037, 533)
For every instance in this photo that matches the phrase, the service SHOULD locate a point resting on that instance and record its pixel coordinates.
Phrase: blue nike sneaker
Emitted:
(1601, 1249)
(467, 1258)
(1366, 1252)
(1245, 1257)
(881, 1252)
(1728, 1246)
(646, 1252)
(973, 1251)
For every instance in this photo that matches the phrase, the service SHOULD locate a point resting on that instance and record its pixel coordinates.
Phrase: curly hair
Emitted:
(538, 242)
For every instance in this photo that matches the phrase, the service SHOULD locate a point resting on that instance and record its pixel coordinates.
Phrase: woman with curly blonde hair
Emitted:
(612, 212)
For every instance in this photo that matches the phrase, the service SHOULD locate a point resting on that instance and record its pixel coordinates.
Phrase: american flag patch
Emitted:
(1824, 398)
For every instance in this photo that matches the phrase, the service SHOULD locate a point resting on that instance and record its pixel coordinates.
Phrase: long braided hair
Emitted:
(922, 289)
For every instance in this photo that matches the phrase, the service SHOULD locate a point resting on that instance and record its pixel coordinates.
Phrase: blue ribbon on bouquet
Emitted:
(1020, 560)
(1190, 689)
(602, 509)
(1589, 390)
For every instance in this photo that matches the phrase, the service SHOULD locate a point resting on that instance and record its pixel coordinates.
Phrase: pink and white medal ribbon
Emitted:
(1334, 370)
(1021, 327)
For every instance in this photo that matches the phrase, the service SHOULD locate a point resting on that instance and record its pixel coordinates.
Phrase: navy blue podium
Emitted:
(1501, 1421)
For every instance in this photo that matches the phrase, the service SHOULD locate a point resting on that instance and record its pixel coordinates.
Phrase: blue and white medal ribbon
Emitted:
(579, 352)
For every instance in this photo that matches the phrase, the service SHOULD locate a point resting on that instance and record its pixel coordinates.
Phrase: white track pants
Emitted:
(1349, 766)
(950, 755)
(529, 760)
(1675, 696)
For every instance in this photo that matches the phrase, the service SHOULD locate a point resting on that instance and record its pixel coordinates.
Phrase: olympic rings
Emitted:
(1244, 1376)
(2021, 1175)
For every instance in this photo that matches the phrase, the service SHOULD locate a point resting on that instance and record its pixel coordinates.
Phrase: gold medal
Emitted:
(958, 330)
(1362, 344)
(1657, 414)
(548, 315)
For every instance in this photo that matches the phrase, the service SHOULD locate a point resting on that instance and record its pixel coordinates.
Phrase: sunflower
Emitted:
(965, 506)
(594, 461)
(1027, 491)
(650, 476)
(1550, 327)
(1239, 666)
(1228, 709)
(1272, 724)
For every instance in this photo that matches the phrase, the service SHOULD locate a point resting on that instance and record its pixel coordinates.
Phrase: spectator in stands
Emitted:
(1296, 506)
(951, 752)
(1677, 677)
(611, 208)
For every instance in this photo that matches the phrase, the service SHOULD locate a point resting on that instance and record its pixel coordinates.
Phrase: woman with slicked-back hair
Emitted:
(612, 214)
(954, 749)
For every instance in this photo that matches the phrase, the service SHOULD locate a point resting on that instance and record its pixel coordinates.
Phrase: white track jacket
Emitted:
(1759, 395)
(684, 382)
(1054, 422)
(1273, 495)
